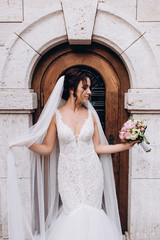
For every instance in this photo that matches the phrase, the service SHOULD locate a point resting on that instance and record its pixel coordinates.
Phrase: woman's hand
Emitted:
(129, 145)
(107, 149)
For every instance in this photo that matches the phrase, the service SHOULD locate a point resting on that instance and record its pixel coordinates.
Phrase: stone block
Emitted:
(11, 126)
(152, 35)
(0, 216)
(148, 71)
(34, 7)
(125, 6)
(20, 55)
(22, 51)
(7, 29)
(22, 162)
(25, 191)
(13, 99)
(152, 30)
(148, 10)
(142, 99)
(127, 38)
(42, 32)
(146, 165)
(144, 220)
(11, 11)
(114, 29)
(79, 18)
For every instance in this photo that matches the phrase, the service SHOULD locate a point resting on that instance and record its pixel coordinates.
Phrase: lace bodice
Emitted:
(80, 174)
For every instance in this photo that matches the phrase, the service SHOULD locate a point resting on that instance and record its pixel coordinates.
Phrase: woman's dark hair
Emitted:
(72, 78)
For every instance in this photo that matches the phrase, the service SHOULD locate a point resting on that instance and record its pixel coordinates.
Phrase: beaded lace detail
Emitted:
(80, 174)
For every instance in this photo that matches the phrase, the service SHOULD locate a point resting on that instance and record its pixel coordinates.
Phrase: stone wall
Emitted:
(144, 174)
(145, 12)
(142, 100)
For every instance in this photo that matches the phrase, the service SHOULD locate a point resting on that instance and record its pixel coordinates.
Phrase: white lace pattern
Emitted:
(80, 174)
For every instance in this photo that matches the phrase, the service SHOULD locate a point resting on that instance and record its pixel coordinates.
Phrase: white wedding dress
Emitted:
(80, 185)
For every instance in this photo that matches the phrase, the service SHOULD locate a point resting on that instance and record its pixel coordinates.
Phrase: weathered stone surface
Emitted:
(13, 99)
(0, 217)
(152, 36)
(142, 99)
(79, 18)
(142, 164)
(148, 10)
(144, 218)
(22, 162)
(144, 71)
(6, 29)
(152, 30)
(125, 6)
(15, 64)
(119, 31)
(42, 35)
(123, 35)
(11, 11)
(11, 126)
(34, 7)
(22, 52)
(25, 192)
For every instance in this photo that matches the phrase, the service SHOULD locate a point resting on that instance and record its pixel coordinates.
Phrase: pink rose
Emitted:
(126, 126)
(134, 125)
(127, 134)
(121, 135)
(142, 129)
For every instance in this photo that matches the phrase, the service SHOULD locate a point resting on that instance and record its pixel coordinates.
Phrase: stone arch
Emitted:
(112, 29)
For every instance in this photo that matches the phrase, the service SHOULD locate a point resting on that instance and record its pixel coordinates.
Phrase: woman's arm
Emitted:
(106, 149)
(47, 147)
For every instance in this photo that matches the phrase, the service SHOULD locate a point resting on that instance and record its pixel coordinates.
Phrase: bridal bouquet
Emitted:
(134, 130)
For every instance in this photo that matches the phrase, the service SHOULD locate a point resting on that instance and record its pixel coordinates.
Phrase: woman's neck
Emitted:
(71, 104)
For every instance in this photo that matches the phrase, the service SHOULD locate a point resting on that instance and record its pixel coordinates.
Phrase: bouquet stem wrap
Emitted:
(145, 146)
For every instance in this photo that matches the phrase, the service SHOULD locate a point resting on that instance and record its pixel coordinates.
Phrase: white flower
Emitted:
(134, 131)
(134, 136)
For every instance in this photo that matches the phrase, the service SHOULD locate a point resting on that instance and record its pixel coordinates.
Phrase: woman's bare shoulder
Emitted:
(62, 109)
(53, 121)
(93, 117)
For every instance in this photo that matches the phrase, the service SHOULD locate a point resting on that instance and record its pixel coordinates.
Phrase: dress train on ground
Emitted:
(84, 223)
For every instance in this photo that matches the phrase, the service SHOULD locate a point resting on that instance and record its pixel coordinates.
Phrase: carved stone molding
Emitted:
(79, 18)
(143, 100)
(17, 99)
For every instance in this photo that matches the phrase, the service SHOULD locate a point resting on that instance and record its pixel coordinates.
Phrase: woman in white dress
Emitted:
(80, 173)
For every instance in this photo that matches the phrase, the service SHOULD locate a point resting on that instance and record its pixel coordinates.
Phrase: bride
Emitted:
(82, 178)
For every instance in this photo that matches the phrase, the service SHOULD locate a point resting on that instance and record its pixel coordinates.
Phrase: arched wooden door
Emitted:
(104, 64)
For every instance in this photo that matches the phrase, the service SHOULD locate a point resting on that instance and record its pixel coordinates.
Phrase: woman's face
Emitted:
(83, 90)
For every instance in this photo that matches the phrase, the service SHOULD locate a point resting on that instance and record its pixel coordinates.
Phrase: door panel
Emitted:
(110, 80)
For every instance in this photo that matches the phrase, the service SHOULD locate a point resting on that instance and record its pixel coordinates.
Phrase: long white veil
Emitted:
(45, 199)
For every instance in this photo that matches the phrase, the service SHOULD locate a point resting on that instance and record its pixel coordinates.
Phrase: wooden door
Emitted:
(113, 81)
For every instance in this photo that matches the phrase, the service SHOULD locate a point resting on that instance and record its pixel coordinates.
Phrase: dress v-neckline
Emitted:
(78, 135)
